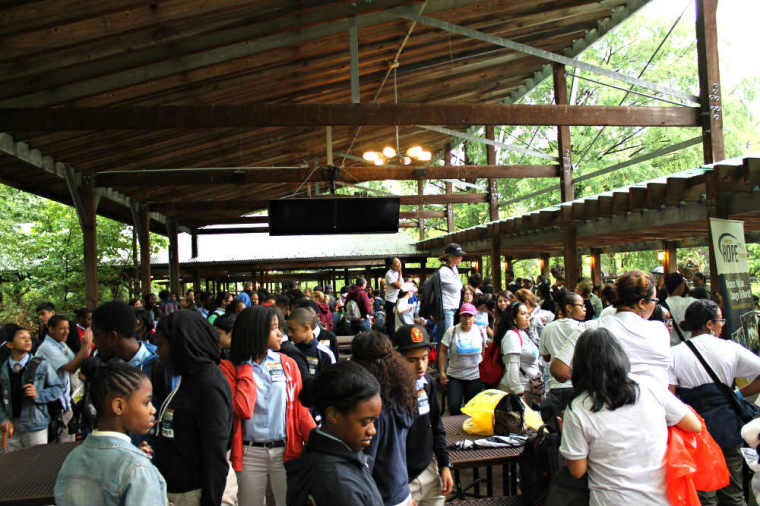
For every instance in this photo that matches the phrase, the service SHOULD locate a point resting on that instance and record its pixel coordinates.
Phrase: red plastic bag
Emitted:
(693, 461)
(712, 471)
(679, 468)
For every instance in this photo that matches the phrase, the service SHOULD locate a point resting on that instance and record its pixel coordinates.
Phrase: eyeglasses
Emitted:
(720, 320)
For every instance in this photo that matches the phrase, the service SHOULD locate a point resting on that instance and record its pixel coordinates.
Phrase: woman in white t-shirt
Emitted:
(404, 310)
(463, 345)
(616, 428)
(646, 343)
(522, 371)
(729, 360)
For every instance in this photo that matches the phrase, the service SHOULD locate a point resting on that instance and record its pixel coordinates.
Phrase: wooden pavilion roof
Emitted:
(71, 54)
(638, 217)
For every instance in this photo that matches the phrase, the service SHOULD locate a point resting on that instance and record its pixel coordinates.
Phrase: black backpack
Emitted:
(509, 416)
(55, 410)
(430, 297)
(539, 464)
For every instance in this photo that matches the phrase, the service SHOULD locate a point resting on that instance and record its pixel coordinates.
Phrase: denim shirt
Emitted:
(34, 412)
(58, 354)
(108, 470)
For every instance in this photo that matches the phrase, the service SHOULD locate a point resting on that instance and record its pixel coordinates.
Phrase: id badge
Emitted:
(312, 363)
(167, 424)
(276, 373)
(423, 403)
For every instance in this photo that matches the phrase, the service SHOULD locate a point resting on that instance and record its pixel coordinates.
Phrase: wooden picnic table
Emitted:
(475, 459)
(29, 474)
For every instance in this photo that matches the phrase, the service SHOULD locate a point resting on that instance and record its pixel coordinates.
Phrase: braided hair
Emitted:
(110, 379)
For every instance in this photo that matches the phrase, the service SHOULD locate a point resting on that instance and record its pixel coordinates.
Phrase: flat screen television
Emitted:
(334, 216)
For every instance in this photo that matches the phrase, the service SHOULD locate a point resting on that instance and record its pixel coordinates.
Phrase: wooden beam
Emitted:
(171, 231)
(232, 230)
(493, 191)
(570, 243)
(449, 191)
(670, 259)
(563, 137)
(420, 208)
(266, 115)
(85, 199)
(233, 176)
(709, 81)
(179, 207)
(596, 266)
(496, 263)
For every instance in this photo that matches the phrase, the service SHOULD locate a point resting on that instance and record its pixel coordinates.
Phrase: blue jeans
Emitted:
(360, 325)
(443, 326)
(461, 391)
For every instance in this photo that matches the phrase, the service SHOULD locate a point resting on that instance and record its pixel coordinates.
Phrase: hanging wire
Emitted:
(627, 93)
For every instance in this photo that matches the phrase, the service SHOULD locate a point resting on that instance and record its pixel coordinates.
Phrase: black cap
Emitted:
(409, 337)
(454, 249)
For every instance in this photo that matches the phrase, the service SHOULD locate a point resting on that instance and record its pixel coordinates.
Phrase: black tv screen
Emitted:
(334, 216)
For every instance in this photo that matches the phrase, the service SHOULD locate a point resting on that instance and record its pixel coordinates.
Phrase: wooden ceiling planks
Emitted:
(107, 53)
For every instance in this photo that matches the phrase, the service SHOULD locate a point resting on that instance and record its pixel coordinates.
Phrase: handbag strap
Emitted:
(733, 400)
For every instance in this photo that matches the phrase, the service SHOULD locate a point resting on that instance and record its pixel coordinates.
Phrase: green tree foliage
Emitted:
(42, 255)
(626, 49)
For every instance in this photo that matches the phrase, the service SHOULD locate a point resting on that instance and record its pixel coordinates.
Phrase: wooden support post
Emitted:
(196, 281)
(670, 257)
(596, 266)
(171, 230)
(545, 265)
(709, 81)
(85, 199)
(194, 244)
(493, 196)
(496, 263)
(421, 208)
(563, 137)
(571, 257)
(89, 233)
(449, 191)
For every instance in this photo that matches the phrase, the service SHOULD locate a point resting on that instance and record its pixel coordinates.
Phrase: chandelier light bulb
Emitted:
(389, 152)
(414, 151)
(371, 156)
(425, 156)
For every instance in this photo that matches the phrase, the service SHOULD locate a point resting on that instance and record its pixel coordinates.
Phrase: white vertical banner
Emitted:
(734, 285)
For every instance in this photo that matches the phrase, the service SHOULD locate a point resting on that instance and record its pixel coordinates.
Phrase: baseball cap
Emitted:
(409, 337)
(454, 249)
(468, 308)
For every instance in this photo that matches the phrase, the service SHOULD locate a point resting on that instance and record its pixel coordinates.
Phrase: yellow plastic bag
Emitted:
(481, 407)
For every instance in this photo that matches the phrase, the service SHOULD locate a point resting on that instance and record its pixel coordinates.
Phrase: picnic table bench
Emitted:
(476, 459)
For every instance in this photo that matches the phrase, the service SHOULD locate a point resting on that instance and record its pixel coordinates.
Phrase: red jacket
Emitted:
(298, 420)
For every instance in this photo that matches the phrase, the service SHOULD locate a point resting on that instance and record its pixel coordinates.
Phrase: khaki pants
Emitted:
(262, 465)
(21, 439)
(426, 488)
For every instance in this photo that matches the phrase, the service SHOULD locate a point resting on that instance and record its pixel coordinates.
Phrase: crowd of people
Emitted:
(235, 398)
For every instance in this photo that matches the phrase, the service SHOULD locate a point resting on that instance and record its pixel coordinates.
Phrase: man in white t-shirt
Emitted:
(393, 282)
(677, 302)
